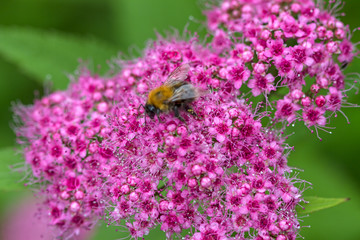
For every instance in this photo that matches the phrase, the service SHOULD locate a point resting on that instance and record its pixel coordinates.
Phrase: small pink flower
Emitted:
(220, 41)
(262, 84)
(238, 74)
(286, 109)
(334, 99)
(347, 51)
(314, 116)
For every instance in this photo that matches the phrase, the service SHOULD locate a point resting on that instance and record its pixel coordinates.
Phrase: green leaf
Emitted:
(316, 204)
(132, 30)
(10, 178)
(51, 55)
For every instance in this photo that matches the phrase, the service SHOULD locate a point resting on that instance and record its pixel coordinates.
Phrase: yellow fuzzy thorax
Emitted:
(159, 95)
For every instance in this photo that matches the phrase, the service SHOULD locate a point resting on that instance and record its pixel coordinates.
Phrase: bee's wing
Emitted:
(178, 75)
(185, 92)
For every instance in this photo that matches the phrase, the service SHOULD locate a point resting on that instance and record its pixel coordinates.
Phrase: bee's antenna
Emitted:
(144, 111)
(157, 114)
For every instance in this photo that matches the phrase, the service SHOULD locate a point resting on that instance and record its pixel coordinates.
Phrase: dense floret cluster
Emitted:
(221, 173)
(293, 49)
(61, 135)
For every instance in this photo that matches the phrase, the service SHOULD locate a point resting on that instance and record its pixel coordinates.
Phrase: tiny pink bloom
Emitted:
(262, 84)
(314, 116)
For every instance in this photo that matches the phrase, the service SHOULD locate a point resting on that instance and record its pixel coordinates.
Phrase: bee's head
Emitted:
(150, 110)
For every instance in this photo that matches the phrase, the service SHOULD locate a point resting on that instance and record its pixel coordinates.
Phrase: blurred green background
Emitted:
(332, 166)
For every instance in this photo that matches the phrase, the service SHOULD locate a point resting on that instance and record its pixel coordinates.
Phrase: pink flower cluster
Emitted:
(221, 172)
(220, 175)
(292, 44)
(62, 135)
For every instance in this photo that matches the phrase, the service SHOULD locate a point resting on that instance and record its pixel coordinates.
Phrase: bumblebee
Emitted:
(175, 94)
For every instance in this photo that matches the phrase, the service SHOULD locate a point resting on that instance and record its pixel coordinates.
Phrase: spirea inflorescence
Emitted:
(220, 175)
(61, 135)
(296, 45)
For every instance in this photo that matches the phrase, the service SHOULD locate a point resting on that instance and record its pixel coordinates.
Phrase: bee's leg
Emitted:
(144, 112)
(176, 112)
(140, 107)
(158, 114)
(158, 118)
